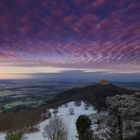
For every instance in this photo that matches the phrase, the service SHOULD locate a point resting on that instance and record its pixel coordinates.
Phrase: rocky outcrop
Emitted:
(100, 127)
(104, 82)
(124, 116)
(122, 119)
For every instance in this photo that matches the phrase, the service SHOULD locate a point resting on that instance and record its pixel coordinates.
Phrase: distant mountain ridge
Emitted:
(94, 94)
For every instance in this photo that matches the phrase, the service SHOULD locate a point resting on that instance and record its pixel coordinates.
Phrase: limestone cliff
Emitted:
(122, 119)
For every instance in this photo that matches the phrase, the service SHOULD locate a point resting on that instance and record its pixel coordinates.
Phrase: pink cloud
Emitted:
(78, 2)
(86, 22)
(98, 3)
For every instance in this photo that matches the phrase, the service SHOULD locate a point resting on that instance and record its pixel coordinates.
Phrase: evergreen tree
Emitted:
(83, 125)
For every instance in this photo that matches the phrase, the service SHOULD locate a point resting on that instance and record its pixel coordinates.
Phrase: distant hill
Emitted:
(94, 94)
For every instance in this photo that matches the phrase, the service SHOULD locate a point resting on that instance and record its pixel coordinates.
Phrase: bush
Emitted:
(71, 111)
(14, 136)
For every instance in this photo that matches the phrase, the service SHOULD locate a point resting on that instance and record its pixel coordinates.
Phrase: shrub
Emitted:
(71, 111)
(14, 136)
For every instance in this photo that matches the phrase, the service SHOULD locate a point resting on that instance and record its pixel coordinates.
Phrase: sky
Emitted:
(58, 36)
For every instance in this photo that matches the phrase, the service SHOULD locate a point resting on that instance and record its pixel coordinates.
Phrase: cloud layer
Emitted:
(70, 33)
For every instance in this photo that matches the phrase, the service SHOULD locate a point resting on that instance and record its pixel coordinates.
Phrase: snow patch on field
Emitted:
(68, 117)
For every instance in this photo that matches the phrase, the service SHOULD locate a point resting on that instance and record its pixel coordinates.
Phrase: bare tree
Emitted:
(56, 130)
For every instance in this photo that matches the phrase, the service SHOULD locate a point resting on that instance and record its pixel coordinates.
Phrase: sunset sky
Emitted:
(56, 36)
